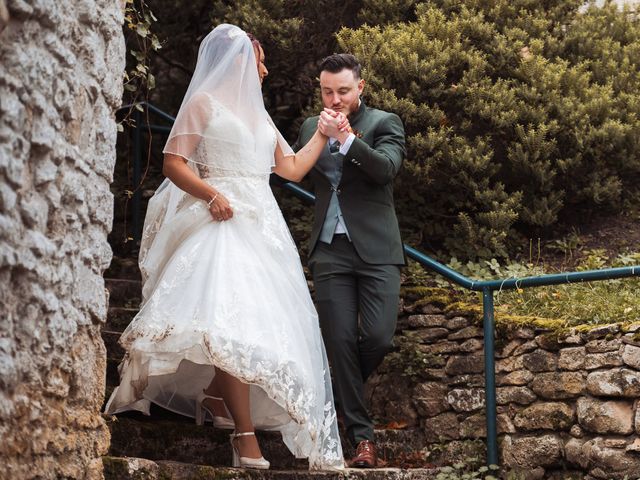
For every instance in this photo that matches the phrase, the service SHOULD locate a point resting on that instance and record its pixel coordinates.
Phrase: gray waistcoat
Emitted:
(330, 165)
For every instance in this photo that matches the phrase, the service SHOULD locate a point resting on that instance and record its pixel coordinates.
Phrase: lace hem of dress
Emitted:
(307, 436)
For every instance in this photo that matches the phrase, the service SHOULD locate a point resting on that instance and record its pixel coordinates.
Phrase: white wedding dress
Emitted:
(230, 294)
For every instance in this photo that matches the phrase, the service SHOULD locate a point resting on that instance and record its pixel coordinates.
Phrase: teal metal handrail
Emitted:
(487, 287)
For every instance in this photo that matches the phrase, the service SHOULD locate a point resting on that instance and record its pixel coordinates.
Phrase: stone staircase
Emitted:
(165, 445)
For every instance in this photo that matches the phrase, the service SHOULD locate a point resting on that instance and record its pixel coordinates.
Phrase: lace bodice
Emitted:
(229, 149)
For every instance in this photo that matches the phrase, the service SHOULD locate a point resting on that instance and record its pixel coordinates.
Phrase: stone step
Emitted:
(128, 468)
(183, 441)
(113, 377)
(115, 353)
(123, 267)
(123, 291)
(110, 339)
(179, 439)
(118, 318)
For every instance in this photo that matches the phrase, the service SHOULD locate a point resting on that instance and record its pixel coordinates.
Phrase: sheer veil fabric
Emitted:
(228, 294)
(226, 72)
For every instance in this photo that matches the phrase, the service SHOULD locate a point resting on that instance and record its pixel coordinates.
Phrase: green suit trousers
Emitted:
(358, 307)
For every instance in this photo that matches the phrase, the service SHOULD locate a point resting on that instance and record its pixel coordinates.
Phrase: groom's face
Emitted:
(341, 91)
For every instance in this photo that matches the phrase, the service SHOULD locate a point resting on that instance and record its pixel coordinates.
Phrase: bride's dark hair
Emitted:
(254, 41)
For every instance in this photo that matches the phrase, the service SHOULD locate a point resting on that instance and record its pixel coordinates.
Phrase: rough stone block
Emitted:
(526, 347)
(427, 321)
(602, 346)
(441, 347)
(600, 417)
(602, 360)
(572, 358)
(540, 361)
(511, 364)
(457, 323)
(631, 356)
(466, 399)
(603, 462)
(472, 345)
(458, 365)
(519, 378)
(603, 331)
(442, 427)
(519, 395)
(531, 451)
(430, 334)
(508, 349)
(430, 398)
(466, 380)
(467, 332)
(545, 416)
(618, 382)
(559, 385)
(548, 341)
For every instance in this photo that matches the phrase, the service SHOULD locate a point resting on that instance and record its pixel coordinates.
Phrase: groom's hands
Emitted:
(334, 124)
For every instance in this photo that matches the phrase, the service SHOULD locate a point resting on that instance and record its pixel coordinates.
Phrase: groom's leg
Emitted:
(336, 289)
(378, 294)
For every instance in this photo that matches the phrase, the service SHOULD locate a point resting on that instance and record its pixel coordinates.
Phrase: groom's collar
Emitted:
(353, 118)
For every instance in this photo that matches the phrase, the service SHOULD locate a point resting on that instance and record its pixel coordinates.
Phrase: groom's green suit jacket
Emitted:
(365, 191)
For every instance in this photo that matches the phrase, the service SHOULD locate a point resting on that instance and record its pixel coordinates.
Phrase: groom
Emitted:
(355, 249)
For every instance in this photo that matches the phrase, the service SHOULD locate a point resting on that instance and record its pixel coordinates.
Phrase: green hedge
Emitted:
(520, 114)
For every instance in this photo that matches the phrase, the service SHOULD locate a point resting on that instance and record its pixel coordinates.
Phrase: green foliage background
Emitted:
(521, 115)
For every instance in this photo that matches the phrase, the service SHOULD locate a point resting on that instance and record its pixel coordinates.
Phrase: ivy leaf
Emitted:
(155, 43)
(142, 30)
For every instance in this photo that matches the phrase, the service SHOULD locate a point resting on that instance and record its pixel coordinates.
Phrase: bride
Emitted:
(227, 329)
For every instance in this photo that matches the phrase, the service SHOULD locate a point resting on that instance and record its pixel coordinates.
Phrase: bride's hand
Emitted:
(342, 120)
(344, 125)
(220, 208)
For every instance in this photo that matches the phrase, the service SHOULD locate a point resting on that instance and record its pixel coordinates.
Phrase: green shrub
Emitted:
(519, 114)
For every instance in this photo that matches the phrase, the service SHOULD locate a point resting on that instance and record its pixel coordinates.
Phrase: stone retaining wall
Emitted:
(61, 72)
(566, 404)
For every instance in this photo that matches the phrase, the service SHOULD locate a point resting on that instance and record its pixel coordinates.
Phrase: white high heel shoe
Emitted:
(202, 411)
(246, 462)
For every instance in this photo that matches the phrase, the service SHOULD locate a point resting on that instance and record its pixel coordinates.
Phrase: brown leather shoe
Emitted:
(366, 456)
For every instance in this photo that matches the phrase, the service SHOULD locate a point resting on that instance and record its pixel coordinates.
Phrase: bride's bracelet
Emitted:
(213, 199)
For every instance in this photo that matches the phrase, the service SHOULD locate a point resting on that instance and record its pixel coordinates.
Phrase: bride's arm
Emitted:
(195, 116)
(175, 168)
(295, 167)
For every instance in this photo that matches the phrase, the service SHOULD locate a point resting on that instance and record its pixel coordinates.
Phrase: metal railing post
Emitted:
(137, 173)
(490, 376)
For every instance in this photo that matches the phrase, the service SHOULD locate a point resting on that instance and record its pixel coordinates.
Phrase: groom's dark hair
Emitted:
(339, 61)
